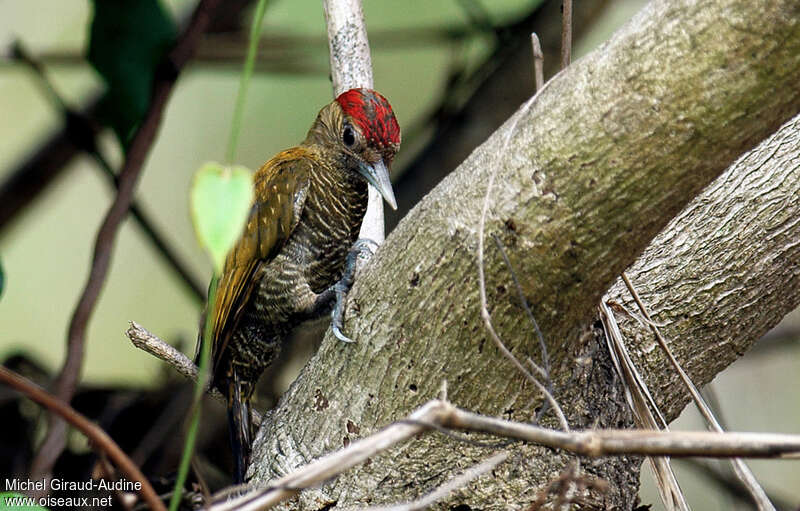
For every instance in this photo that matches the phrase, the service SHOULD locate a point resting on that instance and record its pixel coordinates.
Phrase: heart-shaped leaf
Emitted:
(221, 198)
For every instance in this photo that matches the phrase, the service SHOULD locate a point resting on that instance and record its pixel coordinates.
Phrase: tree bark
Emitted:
(586, 175)
(509, 83)
(723, 272)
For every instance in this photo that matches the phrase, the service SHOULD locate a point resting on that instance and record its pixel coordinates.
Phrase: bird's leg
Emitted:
(312, 305)
(361, 248)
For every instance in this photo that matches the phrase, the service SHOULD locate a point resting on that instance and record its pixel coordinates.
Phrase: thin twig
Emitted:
(593, 443)
(635, 385)
(69, 376)
(528, 312)
(485, 315)
(607, 442)
(458, 437)
(538, 62)
(94, 433)
(742, 470)
(544, 369)
(645, 410)
(152, 344)
(335, 463)
(566, 33)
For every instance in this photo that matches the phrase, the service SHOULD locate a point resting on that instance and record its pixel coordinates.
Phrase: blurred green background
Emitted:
(46, 250)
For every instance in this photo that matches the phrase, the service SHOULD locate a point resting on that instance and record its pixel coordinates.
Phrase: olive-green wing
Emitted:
(281, 186)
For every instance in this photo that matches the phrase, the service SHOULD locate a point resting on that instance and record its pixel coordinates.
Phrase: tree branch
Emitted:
(137, 152)
(493, 93)
(99, 439)
(588, 443)
(87, 134)
(152, 344)
(722, 273)
(351, 67)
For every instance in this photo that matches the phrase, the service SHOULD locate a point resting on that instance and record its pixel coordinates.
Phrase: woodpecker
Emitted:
(296, 256)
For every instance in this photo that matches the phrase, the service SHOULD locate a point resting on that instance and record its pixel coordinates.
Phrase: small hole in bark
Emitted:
(412, 388)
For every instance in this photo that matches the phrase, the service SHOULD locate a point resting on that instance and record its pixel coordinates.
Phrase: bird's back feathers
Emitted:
(281, 186)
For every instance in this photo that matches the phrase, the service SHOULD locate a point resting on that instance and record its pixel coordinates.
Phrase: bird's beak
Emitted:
(378, 176)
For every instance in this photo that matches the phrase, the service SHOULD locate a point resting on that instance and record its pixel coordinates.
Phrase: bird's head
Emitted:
(361, 125)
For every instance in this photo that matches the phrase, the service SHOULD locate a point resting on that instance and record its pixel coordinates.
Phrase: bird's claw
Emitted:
(337, 315)
(339, 335)
(362, 248)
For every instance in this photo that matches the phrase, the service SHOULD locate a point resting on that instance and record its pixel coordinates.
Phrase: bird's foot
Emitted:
(362, 249)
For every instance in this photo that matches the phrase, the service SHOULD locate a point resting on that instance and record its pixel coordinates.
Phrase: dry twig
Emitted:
(334, 464)
(351, 66)
(586, 443)
(566, 33)
(141, 142)
(743, 472)
(644, 408)
(152, 344)
(485, 314)
(538, 62)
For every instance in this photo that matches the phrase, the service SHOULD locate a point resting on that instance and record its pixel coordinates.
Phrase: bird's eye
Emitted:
(348, 137)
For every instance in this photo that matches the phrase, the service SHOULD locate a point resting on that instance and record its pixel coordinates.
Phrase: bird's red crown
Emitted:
(374, 116)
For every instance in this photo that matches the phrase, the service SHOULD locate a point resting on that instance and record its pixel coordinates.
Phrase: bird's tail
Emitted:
(239, 425)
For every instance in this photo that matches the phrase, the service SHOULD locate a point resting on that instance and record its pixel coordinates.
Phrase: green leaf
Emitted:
(221, 198)
(12, 500)
(127, 41)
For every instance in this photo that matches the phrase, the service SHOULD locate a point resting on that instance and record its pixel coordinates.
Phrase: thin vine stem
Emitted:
(205, 346)
(244, 82)
(199, 390)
